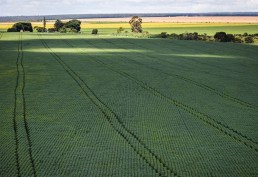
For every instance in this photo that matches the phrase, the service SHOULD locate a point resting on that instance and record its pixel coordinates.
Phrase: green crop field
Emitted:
(82, 105)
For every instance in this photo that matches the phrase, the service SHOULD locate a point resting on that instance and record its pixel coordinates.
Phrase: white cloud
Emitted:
(39, 7)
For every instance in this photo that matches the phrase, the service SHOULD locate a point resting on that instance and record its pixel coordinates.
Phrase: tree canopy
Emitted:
(24, 26)
(74, 25)
(136, 24)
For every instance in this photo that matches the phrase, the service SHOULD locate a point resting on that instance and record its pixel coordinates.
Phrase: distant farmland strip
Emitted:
(135, 142)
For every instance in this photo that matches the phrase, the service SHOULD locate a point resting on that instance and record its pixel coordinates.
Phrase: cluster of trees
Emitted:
(70, 26)
(59, 26)
(219, 36)
(21, 26)
(236, 38)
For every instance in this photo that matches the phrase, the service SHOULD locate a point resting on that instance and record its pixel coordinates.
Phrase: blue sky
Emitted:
(45, 7)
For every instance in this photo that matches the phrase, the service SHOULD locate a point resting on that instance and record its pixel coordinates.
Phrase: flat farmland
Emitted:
(82, 105)
(156, 25)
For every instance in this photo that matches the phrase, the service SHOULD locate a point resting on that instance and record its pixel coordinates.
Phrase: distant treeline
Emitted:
(85, 16)
(219, 37)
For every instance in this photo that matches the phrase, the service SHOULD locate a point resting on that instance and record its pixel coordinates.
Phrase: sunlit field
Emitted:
(85, 105)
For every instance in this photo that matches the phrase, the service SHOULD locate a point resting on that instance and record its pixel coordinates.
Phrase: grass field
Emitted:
(82, 105)
(106, 28)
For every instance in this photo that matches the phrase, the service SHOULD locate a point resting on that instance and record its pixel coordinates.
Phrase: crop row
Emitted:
(205, 87)
(225, 129)
(190, 81)
(131, 138)
(204, 50)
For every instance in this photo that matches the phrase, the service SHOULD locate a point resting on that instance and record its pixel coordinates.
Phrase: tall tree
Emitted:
(136, 24)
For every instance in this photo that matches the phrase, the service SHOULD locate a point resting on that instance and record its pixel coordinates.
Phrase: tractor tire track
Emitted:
(201, 85)
(26, 126)
(19, 88)
(132, 140)
(17, 157)
(223, 128)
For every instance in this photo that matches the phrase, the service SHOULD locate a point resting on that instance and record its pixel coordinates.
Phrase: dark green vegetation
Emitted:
(71, 26)
(21, 26)
(219, 37)
(78, 105)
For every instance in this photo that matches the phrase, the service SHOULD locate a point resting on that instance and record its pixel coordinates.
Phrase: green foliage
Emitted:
(63, 30)
(12, 30)
(51, 30)
(230, 38)
(224, 37)
(136, 24)
(40, 29)
(70, 26)
(189, 36)
(23, 26)
(58, 25)
(238, 40)
(73, 24)
(163, 35)
(221, 37)
(120, 30)
(249, 39)
(94, 31)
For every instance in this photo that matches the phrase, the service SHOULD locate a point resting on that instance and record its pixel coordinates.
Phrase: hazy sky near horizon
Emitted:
(51, 7)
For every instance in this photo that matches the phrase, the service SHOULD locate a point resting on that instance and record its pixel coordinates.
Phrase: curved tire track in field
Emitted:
(20, 80)
(26, 126)
(221, 127)
(1, 35)
(206, 87)
(15, 127)
(133, 141)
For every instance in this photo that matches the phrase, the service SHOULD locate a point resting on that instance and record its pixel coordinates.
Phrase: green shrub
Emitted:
(51, 30)
(62, 30)
(95, 31)
(40, 29)
(174, 36)
(120, 30)
(249, 39)
(220, 36)
(238, 40)
(12, 30)
(189, 36)
(163, 34)
(230, 38)
(71, 30)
